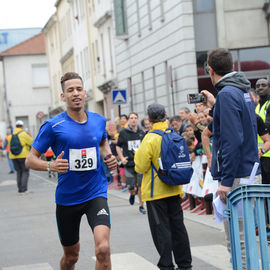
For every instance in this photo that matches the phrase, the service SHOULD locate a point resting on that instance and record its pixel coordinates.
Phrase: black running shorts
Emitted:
(69, 218)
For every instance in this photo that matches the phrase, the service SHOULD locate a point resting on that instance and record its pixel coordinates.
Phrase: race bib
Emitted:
(83, 159)
(134, 145)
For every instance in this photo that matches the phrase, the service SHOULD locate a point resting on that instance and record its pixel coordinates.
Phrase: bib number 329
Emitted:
(83, 159)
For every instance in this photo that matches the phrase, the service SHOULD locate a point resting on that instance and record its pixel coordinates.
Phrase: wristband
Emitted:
(49, 166)
(108, 156)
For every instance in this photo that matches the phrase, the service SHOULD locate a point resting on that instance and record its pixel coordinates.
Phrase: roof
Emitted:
(33, 45)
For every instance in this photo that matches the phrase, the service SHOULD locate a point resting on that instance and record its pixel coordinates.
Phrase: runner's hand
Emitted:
(60, 165)
(124, 160)
(223, 192)
(111, 162)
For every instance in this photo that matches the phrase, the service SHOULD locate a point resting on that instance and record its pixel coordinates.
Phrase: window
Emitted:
(111, 49)
(103, 57)
(86, 62)
(149, 14)
(120, 17)
(255, 59)
(138, 18)
(254, 62)
(162, 18)
(40, 75)
(204, 5)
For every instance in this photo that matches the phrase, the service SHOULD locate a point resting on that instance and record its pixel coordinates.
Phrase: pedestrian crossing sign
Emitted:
(119, 96)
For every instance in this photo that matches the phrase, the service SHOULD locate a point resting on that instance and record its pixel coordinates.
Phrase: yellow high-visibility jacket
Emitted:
(148, 151)
(26, 142)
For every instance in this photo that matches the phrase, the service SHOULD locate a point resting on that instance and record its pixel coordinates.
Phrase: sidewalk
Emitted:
(207, 220)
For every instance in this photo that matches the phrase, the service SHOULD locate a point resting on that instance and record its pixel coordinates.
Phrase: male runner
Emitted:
(78, 139)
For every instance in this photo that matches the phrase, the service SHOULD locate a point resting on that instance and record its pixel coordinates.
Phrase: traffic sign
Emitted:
(119, 96)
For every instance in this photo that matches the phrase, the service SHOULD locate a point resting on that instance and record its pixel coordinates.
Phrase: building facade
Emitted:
(155, 53)
(157, 50)
(26, 79)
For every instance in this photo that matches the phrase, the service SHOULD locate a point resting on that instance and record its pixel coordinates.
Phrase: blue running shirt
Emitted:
(85, 179)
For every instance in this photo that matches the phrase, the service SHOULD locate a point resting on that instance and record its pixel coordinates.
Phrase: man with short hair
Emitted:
(234, 149)
(263, 110)
(184, 114)
(19, 159)
(129, 140)
(200, 107)
(164, 210)
(79, 140)
(123, 120)
(146, 125)
(176, 123)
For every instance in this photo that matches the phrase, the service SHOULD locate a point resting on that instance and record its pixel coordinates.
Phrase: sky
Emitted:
(25, 13)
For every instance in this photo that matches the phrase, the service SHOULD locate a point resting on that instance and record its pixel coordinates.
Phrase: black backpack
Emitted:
(15, 144)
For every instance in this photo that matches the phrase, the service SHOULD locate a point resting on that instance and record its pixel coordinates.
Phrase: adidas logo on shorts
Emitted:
(102, 212)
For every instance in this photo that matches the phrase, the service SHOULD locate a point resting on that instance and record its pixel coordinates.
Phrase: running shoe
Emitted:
(131, 199)
(142, 210)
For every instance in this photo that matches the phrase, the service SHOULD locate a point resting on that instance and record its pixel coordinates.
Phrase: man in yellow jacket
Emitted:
(164, 210)
(19, 159)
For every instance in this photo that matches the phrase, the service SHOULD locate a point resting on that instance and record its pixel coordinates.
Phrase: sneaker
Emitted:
(142, 210)
(11, 172)
(131, 199)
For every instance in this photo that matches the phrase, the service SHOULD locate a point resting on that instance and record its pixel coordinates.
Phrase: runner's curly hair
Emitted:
(69, 76)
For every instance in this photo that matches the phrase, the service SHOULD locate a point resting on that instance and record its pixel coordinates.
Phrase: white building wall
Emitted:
(24, 100)
(53, 55)
(80, 42)
(104, 53)
(241, 24)
(154, 44)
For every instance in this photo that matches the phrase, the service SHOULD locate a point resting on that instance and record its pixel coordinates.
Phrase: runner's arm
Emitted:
(106, 153)
(34, 162)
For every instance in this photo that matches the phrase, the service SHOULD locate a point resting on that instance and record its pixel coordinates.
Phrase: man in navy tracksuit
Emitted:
(235, 148)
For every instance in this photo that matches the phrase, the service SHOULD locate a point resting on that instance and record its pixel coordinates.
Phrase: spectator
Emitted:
(234, 129)
(263, 110)
(146, 125)
(184, 114)
(165, 214)
(10, 161)
(176, 123)
(200, 107)
(123, 120)
(19, 159)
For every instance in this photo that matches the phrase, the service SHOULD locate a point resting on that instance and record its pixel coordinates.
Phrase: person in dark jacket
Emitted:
(263, 109)
(234, 129)
(129, 140)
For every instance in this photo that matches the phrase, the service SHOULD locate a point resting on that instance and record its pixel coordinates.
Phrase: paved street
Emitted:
(29, 240)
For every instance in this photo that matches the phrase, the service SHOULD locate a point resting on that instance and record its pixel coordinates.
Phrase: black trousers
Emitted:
(22, 174)
(169, 233)
(265, 166)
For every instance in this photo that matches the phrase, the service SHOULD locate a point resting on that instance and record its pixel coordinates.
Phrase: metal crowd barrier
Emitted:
(241, 203)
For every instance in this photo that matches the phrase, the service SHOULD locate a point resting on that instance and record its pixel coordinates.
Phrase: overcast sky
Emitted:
(25, 13)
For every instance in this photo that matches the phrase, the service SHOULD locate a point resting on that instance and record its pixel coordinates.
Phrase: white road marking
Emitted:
(8, 183)
(216, 255)
(130, 261)
(39, 266)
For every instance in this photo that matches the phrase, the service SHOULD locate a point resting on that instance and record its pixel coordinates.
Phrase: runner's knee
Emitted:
(103, 251)
(71, 259)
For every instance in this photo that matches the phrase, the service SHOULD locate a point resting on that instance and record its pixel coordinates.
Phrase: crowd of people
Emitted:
(223, 135)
